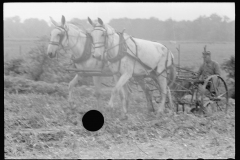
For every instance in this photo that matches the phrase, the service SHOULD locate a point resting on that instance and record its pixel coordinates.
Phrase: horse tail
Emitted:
(172, 74)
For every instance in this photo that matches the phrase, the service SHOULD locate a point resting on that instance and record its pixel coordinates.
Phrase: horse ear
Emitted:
(53, 22)
(90, 21)
(63, 20)
(100, 21)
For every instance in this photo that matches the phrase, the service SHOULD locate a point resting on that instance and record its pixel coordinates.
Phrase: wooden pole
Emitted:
(179, 54)
(178, 49)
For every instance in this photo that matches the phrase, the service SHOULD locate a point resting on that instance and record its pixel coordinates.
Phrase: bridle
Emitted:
(103, 44)
(62, 35)
(105, 38)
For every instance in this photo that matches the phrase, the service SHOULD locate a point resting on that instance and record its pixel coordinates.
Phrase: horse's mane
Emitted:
(108, 27)
(78, 27)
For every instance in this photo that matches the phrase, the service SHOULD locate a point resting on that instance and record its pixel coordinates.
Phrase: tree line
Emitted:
(212, 28)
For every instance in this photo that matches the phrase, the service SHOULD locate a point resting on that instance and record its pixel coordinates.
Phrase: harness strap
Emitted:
(167, 59)
(121, 52)
(166, 67)
(119, 65)
(135, 45)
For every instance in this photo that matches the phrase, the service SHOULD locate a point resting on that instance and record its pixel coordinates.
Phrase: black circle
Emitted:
(93, 120)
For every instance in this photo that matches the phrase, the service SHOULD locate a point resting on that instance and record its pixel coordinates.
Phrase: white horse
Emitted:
(70, 37)
(142, 59)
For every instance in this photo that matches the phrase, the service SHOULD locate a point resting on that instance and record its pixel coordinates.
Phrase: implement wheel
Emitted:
(215, 95)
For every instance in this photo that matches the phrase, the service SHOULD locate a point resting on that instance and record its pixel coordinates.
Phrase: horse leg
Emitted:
(71, 84)
(123, 90)
(125, 96)
(121, 82)
(125, 100)
(116, 78)
(147, 94)
(110, 103)
(97, 83)
(163, 86)
(170, 98)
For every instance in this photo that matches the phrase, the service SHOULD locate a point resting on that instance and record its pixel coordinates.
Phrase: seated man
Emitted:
(208, 68)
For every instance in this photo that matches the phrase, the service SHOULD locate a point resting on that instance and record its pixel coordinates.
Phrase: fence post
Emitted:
(178, 49)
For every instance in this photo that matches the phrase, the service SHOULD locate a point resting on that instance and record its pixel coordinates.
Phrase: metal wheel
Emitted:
(215, 95)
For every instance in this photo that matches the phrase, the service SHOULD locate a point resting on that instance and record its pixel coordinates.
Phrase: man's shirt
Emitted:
(208, 69)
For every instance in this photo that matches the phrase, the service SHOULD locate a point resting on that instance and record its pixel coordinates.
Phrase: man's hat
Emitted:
(206, 53)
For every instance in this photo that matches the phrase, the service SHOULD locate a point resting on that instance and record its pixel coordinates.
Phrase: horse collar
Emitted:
(86, 52)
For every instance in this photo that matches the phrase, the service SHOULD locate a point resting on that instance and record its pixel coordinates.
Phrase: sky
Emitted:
(107, 11)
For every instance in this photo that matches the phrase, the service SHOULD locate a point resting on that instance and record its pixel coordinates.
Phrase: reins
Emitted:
(61, 39)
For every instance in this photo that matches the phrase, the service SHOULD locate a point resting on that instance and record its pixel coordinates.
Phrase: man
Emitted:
(209, 67)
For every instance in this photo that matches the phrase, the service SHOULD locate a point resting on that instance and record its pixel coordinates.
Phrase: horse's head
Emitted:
(100, 36)
(58, 37)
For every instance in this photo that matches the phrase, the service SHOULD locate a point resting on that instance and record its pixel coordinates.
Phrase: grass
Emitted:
(42, 124)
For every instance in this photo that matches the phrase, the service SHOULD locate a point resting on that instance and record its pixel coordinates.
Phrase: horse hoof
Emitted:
(71, 103)
(161, 111)
(151, 114)
(124, 117)
(159, 114)
(150, 109)
(110, 104)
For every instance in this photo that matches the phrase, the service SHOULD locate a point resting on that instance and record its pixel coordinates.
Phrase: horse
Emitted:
(143, 57)
(67, 36)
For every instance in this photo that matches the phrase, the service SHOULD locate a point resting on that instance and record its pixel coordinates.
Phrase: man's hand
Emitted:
(198, 81)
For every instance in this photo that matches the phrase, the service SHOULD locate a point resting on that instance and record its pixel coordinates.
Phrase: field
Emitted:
(39, 122)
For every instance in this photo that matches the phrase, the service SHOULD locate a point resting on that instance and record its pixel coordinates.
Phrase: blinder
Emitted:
(61, 35)
(104, 43)
(105, 37)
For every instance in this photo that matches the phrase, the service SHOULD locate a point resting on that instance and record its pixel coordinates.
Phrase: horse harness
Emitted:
(62, 34)
(86, 52)
(87, 48)
(123, 51)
